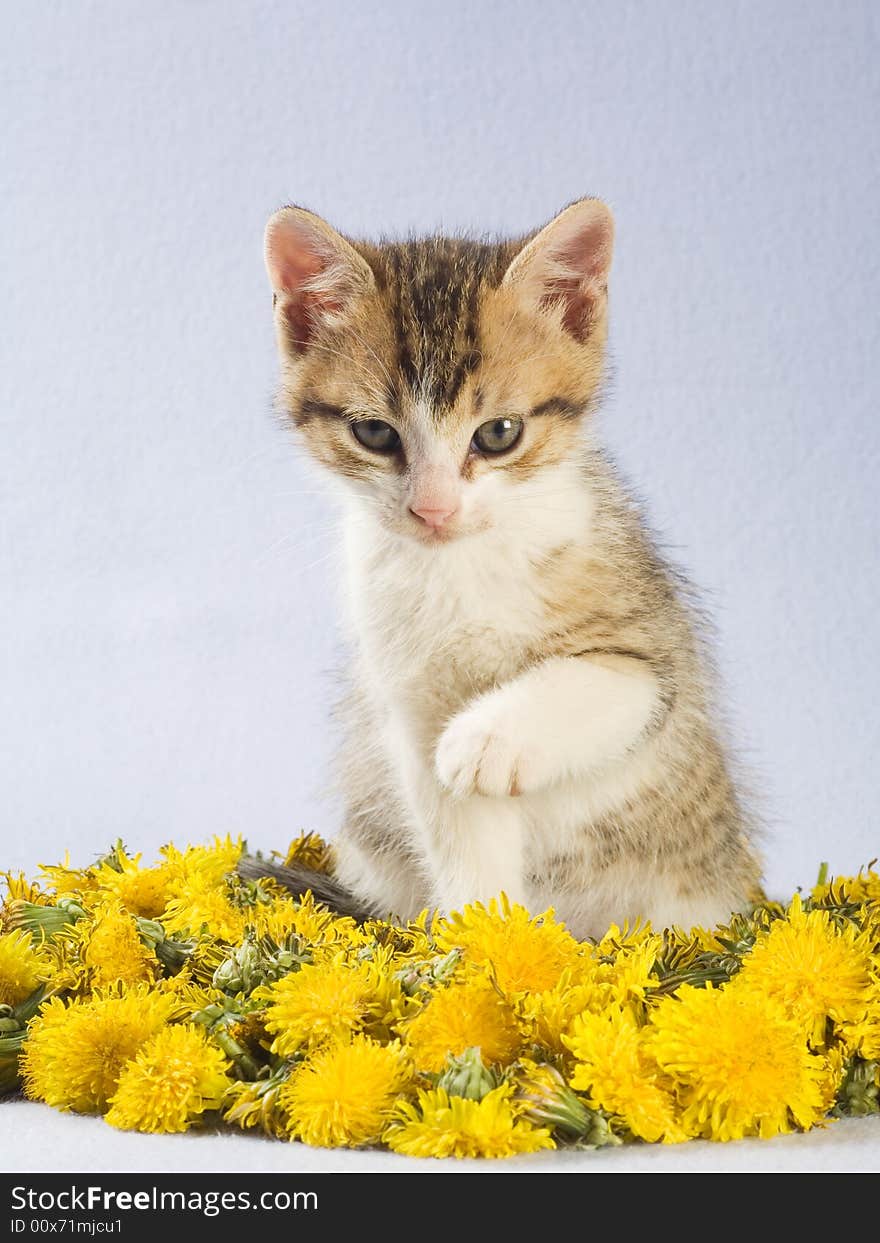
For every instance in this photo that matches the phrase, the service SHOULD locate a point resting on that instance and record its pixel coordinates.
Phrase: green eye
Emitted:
(498, 435)
(376, 435)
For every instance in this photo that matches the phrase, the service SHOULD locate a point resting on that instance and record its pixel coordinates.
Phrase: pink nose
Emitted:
(433, 517)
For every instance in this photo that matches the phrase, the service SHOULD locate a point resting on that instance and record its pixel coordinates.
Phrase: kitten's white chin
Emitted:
(437, 536)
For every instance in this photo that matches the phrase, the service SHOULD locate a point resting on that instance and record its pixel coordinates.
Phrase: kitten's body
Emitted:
(529, 708)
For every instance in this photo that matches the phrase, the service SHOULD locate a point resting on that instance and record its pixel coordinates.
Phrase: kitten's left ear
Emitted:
(315, 274)
(567, 265)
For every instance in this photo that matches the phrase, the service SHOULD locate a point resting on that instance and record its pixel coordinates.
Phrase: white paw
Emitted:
(485, 750)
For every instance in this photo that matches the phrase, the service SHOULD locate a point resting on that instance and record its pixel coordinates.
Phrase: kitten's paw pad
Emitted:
(480, 752)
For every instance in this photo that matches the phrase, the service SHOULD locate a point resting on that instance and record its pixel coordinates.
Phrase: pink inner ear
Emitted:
(294, 257)
(292, 266)
(303, 312)
(588, 250)
(585, 256)
(577, 306)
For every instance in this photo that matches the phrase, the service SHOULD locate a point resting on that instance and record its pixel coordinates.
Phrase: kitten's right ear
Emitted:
(314, 272)
(565, 266)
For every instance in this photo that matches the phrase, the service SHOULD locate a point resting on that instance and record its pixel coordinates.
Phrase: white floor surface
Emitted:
(34, 1138)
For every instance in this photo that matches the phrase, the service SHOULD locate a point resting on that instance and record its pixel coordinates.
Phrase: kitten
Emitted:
(529, 710)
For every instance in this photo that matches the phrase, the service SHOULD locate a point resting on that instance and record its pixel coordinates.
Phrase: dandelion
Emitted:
(549, 1015)
(627, 978)
(65, 882)
(211, 864)
(622, 942)
(305, 918)
(111, 948)
(862, 1035)
(311, 851)
(175, 1078)
(200, 903)
(76, 1051)
(466, 1074)
(23, 967)
(344, 1094)
(741, 1064)
(865, 887)
(256, 1105)
(546, 1099)
(412, 944)
(182, 993)
(461, 1016)
(190, 995)
(326, 1001)
(618, 1074)
(836, 1065)
(439, 1125)
(858, 1088)
(813, 969)
(143, 891)
(20, 889)
(524, 952)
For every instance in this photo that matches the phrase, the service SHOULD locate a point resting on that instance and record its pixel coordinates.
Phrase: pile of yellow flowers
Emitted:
(179, 995)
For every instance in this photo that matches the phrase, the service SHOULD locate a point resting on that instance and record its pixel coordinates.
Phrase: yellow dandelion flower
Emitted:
(411, 944)
(624, 940)
(190, 994)
(175, 1077)
(211, 864)
(111, 947)
(462, 1016)
(617, 1072)
(524, 952)
(254, 1104)
(344, 1095)
(311, 851)
(630, 974)
(23, 967)
(64, 881)
(862, 1035)
(741, 1065)
(438, 1125)
(865, 887)
(550, 1014)
(835, 1063)
(326, 1000)
(314, 924)
(143, 891)
(815, 970)
(201, 903)
(75, 1052)
(20, 889)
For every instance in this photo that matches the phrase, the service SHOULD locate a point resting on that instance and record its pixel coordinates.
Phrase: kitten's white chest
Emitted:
(446, 622)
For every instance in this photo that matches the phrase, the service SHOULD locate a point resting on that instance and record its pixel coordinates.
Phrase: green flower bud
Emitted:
(465, 1075)
(547, 1100)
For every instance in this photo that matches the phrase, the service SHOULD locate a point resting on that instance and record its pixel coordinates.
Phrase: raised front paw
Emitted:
(487, 750)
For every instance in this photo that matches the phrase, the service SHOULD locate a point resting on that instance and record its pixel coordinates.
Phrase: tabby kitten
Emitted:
(528, 711)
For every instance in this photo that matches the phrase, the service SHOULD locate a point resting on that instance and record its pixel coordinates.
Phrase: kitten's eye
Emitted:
(376, 435)
(498, 435)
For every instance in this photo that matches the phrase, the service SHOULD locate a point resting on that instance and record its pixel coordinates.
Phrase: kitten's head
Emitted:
(444, 380)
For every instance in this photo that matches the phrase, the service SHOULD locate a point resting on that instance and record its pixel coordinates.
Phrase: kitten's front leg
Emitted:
(477, 852)
(563, 718)
(473, 847)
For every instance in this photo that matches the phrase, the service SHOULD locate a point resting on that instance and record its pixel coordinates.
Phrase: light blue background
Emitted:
(167, 622)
